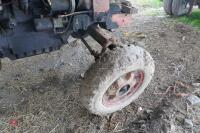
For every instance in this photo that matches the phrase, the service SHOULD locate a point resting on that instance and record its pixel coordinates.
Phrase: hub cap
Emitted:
(123, 88)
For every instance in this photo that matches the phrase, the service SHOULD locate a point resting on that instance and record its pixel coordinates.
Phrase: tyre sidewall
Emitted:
(178, 9)
(168, 6)
(137, 60)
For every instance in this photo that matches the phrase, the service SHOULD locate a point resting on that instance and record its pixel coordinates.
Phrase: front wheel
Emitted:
(119, 77)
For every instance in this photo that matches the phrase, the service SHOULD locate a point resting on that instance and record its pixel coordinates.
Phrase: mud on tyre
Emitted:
(119, 77)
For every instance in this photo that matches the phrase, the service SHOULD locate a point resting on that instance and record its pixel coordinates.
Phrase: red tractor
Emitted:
(180, 7)
(121, 72)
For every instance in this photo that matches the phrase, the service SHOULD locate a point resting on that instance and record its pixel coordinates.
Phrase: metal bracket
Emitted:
(104, 38)
(94, 53)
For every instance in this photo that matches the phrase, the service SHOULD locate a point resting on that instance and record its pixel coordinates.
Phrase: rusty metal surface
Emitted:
(103, 38)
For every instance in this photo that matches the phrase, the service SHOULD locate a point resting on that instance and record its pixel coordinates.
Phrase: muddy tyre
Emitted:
(119, 77)
(180, 7)
(168, 6)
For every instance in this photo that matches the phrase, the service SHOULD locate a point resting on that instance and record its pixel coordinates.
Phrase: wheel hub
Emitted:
(123, 88)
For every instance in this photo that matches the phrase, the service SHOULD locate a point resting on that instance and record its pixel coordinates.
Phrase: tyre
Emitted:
(168, 6)
(119, 77)
(180, 7)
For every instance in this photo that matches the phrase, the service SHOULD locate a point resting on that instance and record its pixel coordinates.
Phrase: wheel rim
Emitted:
(123, 88)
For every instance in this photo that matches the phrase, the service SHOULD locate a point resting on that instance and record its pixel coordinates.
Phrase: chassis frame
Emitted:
(100, 13)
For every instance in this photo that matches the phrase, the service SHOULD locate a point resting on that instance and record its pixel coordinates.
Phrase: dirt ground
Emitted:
(41, 94)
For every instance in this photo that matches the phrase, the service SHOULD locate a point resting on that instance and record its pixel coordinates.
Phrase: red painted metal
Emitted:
(113, 98)
(121, 19)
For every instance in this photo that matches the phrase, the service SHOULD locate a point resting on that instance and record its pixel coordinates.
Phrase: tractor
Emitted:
(121, 72)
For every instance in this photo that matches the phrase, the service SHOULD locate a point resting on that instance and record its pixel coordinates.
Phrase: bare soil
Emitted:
(41, 94)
